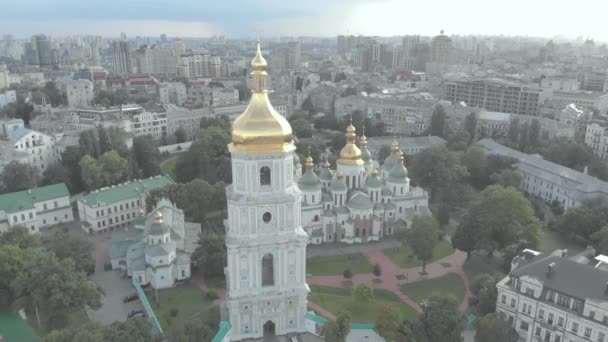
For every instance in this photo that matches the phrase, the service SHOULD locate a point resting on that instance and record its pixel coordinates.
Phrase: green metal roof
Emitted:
(126, 191)
(398, 171)
(22, 200)
(311, 315)
(159, 228)
(365, 154)
(360, 201)
(309, 181)
(337, 185)
(373, 182)
(224, 329)
(326, 174)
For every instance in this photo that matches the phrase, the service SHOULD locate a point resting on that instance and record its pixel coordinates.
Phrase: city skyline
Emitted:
(238, 19)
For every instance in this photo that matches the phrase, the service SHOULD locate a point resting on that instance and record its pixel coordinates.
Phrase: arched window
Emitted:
(265, 175)
(267, 270)
(357, 232)
(316, 218)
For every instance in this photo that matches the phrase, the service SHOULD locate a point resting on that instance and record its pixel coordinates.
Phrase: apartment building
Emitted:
(495, 95)
(596, 137)
(117, 206)
(582, 99)
(24, 145)
(195, 66)
(550, 181)
(149, 123)
(554, 299)
(80, 93)
(35, 208)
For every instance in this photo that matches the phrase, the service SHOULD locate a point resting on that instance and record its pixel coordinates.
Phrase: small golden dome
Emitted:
(350, 153)
(394, 145)
(326, 164)
(309, 162)
(374, 172)
(158, 217)
(260, 129)
(363, 139)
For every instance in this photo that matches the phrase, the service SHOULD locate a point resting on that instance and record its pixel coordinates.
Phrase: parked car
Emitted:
(130, 298)
(136, 313)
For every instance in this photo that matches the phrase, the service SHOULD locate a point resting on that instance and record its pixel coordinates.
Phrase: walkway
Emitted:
(345, 248)
(390, 271)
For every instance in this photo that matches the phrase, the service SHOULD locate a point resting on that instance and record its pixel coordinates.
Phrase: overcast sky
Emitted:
(239, 18)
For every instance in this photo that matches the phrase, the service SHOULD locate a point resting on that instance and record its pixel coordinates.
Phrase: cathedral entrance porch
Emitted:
(269, 332)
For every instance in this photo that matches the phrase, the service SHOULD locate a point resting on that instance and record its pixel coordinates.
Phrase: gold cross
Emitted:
(258, 32)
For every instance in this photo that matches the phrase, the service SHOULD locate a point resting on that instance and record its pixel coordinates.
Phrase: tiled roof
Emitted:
(18, 134)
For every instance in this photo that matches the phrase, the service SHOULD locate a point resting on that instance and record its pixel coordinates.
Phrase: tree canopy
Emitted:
(18, 176)
(422, 237)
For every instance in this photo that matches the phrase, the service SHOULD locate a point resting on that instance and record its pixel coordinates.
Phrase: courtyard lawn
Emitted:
(168, 167)
(404, 257)
(13, 328)
(335, 300)
(336, 264)
(216, 283)
(450, 284)
(189, 301)
(552, 240)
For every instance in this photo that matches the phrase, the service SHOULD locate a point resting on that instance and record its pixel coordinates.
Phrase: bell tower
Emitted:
(266, 245)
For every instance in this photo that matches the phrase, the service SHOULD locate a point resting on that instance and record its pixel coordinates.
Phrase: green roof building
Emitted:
(117, 206)
(36, 208)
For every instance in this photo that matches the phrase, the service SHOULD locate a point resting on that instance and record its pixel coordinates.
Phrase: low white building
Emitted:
(554, 299)
(117, 206)
(35, 208)
(548, 180)
(172, 92)
(7, 97)
(149, 123)
(596, 137)
(157, 249)
(35, 148)
(80, 93)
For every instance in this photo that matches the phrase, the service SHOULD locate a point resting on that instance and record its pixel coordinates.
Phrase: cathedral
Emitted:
(356, 203)
(266, 245)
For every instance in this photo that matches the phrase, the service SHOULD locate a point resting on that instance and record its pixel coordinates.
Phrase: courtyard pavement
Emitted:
(449, 264)
(115, 288)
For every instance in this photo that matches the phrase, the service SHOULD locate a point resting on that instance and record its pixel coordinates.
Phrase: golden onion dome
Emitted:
(309, 162)
(350, 153)
(158, 217)
(260, 129)
(394, 145)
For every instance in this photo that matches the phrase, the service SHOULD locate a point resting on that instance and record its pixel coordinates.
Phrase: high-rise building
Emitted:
(41, 44)
(293, 59)
(441, 49)
(163, 38)
(265, 242)
(80, 93)
(121, 58)
(194, 66)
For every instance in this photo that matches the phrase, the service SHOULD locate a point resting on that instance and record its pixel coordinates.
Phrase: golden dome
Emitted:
(309, 162)
(260, 129)
(363, 139)
(158, 217)
(350, 153)
(395, 145)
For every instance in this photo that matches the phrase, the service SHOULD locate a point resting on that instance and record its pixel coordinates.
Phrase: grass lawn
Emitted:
(335, 300)
(403, 256)
(334, 265)
(189, 301)
(216, 283)
(552, 240)
(449, 284)
(168, 167)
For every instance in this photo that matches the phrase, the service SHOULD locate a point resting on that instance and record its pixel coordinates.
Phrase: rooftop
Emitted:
(125, 191)
(22, 200)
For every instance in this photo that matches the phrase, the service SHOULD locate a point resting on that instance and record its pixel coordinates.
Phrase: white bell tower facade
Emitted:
(266, 245)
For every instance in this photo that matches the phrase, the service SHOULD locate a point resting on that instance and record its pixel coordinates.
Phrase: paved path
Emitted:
(321, 311)
(390, 271)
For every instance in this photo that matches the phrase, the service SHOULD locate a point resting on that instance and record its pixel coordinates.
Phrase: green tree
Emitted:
(500, 217)
(440, 322)
(467, 236)
(19, 236)
(89, 144)
(438, 122)
(207, 158)
(475, 160)
(422, 237)
(437, 169)
(362, 293)
(65, 245)
(132, 330)
(55, 287)
(470, 125)
(56, 96)
(191, 331)
(146, 156)
(180, 135)
(493, 329)
(507, 178)
(55, 173)
(459, 140)
(388, 322)
(443, 215)
(210, 255)
(534, 134)
(513, 133)
(338, 330)
(524, 135)
(384, 152)
(70, 159)
(600, 240)
(91, 172)
(302, 128)
(114, 168)
(484, 290)
(17, 176)
(91, 331)
(13, 260)
(105, 144)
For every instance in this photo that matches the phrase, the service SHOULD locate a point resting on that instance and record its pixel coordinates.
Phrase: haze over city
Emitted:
(193, 18)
